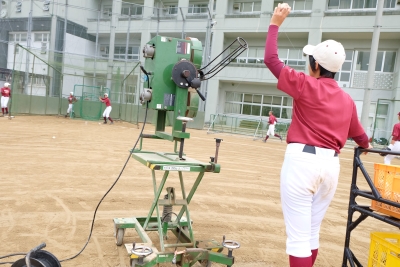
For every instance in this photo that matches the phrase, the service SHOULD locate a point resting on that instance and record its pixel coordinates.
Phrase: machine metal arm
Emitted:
(242, 46)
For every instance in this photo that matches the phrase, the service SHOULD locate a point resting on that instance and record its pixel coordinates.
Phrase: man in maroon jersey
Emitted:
(5, 96)
(107, 111)
(271, 128)
(324, 116)
(394, 144)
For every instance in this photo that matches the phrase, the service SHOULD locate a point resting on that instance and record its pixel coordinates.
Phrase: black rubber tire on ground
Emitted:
(119, 236)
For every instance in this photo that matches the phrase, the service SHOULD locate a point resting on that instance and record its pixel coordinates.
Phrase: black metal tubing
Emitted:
(365, 211)
(242, 46)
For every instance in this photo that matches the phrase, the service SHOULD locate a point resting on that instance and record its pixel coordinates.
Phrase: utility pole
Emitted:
(207, 52)
(371, 66)
(123, 95)
(28, 45)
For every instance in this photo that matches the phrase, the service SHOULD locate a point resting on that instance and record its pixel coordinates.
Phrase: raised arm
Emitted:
(271, 59)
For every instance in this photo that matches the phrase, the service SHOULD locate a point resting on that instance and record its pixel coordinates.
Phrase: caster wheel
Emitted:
(119, 236)
(205, 263)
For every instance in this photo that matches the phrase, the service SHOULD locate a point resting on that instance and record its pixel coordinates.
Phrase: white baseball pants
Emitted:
(308, 184)
(4, 101)
(396, 148)
(107, 112)
(69, 108)
(271, 129)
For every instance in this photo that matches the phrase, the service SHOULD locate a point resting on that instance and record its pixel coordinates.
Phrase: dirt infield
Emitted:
(54, 171)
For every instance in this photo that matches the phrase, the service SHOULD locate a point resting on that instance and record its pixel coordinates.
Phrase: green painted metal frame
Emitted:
(163, 87)
(158, 161)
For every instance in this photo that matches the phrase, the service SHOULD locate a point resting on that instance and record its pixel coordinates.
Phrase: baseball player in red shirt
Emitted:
(71, 101)
(271, 128)
(107, 111)
(324, 116)
(394, 144)
(5, 96)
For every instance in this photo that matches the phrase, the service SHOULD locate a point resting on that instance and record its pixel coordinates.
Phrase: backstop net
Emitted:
(90, 106)
(42, 81)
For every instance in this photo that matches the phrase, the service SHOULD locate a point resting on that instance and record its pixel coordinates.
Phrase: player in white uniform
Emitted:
(5, 96)
(107, 111)
(71, 101)
(271, 128)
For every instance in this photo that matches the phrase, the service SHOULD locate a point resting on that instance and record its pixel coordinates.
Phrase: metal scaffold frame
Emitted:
(365, 211)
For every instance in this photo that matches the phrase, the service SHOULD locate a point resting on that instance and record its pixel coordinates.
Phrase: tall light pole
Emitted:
(28, 45)
(371, 66)
(207, 52)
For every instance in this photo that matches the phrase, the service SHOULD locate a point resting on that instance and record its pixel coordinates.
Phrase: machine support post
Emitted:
(156, 197)
(182, 141)
(191, 193)
(185, 208)
(218, 142)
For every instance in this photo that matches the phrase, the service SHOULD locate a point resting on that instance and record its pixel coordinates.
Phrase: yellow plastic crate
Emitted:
(387, 181)
(384, 250)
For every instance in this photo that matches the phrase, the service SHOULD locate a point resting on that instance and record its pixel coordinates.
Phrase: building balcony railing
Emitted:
(102, 65)
(382, 80)
(244, 15)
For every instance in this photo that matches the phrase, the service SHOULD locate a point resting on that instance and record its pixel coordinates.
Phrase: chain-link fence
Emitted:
(44, 89)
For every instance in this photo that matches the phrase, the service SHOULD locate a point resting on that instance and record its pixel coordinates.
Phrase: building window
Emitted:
(37, 80)
(251, 55)
(359, 4)
(258, 105)
(198, 8)
(297, 5)
(385, 61)
(17, 37)
(247, 7)
(170, 10)
(343, 76)
(107, 11)
(133, 9)
(292, 57)
(120, 51)
(41, 37)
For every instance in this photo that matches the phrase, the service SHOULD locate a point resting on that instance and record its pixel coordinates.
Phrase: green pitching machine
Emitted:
(172, 67)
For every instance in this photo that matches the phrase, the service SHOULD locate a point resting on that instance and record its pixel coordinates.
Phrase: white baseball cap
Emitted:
(71, 93)
(6, 84)
(329, 54)
(105, 94)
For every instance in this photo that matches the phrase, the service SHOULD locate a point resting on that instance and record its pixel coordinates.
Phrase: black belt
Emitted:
(311, 150)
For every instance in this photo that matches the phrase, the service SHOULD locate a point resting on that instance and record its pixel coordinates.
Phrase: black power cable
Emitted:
(112, 186)
(95, 211)
(10, 255)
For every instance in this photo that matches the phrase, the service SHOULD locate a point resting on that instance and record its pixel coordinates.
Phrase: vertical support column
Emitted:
(371, 67)
(181, 95)
(148, 9)
(267, 7)
(123, 93)
(116, 10)
(52, 48)
(184, 4)
(28, 45)
(97, 46)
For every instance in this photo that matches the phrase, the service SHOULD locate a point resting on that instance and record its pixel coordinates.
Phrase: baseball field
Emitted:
(54, 171)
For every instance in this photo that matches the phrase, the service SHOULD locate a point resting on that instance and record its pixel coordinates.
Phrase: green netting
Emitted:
(90, 106)
(43, 79)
